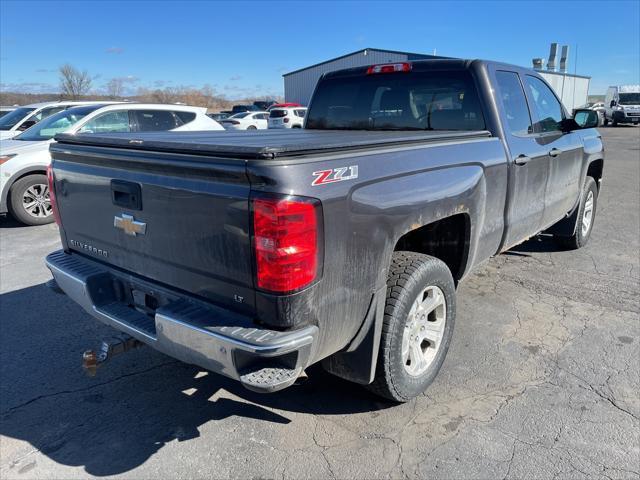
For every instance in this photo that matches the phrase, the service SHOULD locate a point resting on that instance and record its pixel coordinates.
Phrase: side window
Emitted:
(45, 112)
(547, 108)
(154, 120)
(109, 122)
(514, 103)
(184, 117)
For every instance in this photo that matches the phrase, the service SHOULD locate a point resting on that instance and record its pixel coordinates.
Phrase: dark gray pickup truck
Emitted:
(255, 255)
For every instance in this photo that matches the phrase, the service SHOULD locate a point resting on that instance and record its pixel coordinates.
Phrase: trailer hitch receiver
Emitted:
(109, 348)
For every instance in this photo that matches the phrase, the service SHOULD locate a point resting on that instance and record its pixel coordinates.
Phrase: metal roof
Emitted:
(417, 55)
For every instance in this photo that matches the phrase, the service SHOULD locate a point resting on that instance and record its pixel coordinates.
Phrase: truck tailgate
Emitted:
(179, 220)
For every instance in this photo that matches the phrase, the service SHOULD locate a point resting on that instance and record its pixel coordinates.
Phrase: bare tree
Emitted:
(73, 82)
(115, 87)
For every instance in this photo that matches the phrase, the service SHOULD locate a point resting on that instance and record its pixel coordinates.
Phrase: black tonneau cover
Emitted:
(265, 144)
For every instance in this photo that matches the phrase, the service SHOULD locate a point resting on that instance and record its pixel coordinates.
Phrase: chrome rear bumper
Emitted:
(213, 338)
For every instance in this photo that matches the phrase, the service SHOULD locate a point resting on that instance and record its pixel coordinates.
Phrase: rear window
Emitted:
(278, 113)
(442, 100)
(185, 117)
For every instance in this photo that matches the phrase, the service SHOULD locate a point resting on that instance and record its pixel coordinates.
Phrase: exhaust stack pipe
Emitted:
(564, 56)
(553, 55)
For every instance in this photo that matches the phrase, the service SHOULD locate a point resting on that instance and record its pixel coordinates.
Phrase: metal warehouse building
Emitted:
(299, 84)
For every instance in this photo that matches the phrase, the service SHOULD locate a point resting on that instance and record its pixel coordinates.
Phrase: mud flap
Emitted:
(567, 226)
(357, 363)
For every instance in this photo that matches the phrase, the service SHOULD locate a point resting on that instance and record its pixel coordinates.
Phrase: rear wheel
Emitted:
(251, 127)
(417, 326)
(29, 200)
(586, 217)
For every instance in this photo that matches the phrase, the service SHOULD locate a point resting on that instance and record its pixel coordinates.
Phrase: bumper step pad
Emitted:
(270, 379)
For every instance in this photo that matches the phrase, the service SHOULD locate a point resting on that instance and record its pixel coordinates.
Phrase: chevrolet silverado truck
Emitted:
(258, 254)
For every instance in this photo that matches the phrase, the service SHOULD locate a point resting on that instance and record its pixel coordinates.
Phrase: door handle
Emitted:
(522, 159)
(554, 152)
(126, 194)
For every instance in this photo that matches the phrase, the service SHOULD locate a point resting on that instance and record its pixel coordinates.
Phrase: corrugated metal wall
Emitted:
(298, 87)
(573, 91)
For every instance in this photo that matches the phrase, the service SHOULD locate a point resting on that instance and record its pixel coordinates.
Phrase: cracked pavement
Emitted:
(542, 379)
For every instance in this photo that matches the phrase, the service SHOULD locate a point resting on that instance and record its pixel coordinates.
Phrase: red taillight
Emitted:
(286, 243)
(389, 68)
(52, 194)
(286, 120)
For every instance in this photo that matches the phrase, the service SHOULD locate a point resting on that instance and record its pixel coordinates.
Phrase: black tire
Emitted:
(251, 127)
(581, 236)
(605, 122)
(16, 203)
(409, 274)
(614, 122)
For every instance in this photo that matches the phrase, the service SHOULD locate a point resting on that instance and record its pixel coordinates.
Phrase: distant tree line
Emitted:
(77, 84)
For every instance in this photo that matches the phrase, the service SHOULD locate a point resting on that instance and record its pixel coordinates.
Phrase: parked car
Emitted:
(218, 116)
(24, 159)
(244, 108)
(598, 107)
(622, 105)
(264, 105)
(283, 105)
(5, 110)
(291, 117)
(246, 121)
(343, 244)
(21, 118)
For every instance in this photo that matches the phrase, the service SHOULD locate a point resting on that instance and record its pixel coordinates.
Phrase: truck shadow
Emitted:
(137, 404)
(542, 243)
(6, 221)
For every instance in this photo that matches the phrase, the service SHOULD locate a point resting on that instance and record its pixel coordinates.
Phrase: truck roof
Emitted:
(435, 64)
(267, 144)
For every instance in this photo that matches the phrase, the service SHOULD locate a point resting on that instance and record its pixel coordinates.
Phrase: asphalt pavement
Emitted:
(542, 379)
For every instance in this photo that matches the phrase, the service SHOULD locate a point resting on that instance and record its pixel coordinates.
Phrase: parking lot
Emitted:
(541, 381)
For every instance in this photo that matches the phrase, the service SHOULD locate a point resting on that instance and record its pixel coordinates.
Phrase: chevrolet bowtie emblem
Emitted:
(130, 225)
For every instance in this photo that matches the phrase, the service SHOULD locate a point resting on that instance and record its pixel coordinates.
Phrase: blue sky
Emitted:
(242, 48)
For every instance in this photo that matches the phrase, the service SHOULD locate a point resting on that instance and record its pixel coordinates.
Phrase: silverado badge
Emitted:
(130, 225)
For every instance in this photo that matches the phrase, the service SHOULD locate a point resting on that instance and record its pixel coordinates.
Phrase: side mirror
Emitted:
(613, 103)
(585, 118)
(27, 124)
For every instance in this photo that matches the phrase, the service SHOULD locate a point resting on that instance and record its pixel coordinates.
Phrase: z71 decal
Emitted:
(335, 175)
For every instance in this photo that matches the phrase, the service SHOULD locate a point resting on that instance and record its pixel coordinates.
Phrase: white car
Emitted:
(246, 121)
(24, 159)
(290, 117)
(21, 118)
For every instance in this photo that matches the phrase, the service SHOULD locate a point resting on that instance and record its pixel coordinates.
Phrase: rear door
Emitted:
(529, 168)
(564, 150)
(261, 120)
(154, 120)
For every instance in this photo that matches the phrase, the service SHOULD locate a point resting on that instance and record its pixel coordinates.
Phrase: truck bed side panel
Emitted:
(396, 191)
